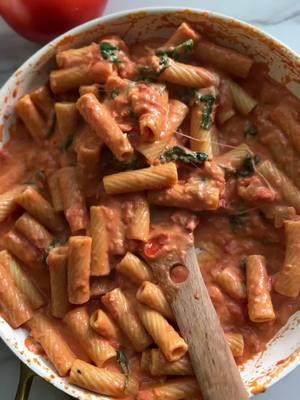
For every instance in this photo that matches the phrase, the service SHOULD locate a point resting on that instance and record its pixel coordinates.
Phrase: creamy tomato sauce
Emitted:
(227, 209)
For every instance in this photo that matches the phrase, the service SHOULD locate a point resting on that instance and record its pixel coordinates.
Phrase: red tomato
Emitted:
(42, 20)
(154, 245)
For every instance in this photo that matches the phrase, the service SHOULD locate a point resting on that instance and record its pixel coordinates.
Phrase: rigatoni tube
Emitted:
(73, 200)
(101, 380)
(34, 231)
(287, 281)
(103, 124)
(57, 262)
(100, 243)
(31, 200)
(260, 307)
(164, 335)
(98, 349)
(152, 296)
(154, 177)
(21, 279)
(44, 331)
(79, 258)
(13, 302)
(124, 314)
(160, 366)
(134, 269)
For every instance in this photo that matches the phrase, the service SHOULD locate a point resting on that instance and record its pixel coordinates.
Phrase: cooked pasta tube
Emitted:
(100, 242)
(43, 99)
(55, 192)
(32, 119)
(89, 167)
(176, 115)
(44, 102)
(134, 269)
(41, 209)
(284, 118)
(281, 183)
(101, 121)
(260, 307)
(94, 89)
(79, 257)
(101, 380)
(21, 248)
(225, 109)
(201, 139)
(173, 389)
(13, 302)
(160, 366)
(287, 281)
(139, 225)
(232, 284)
(8, 202)
(152, 296)
(45, 332)
(144, 99)
(98, 349)
(236, 343)
(21, 279)
(276, 140)
(57, 262)
(123, 313)
(186, 75)
(183, 33)
(243, 102)
(74, 202)
(278, 213)
(63, 80)
(83, 55)
(145, 362)
(67, 120)
(34, 231)
(233, 159)
(226, 59)
(197, 195)
(164, 335)
(151, 178)
(105, 326)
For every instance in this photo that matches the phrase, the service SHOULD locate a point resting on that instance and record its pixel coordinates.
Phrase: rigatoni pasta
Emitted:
(100, 120)
(119, 307)
(14, 303)
(100, 243)
(134, 268)
(170, 343)
(44, 331)
(21, 279)
(33, 202)
(79, 258)
(73, 199)
(98, 349)
(260, 305)
(57, 262)
(288, 279)
(101, 380)
(156, 177)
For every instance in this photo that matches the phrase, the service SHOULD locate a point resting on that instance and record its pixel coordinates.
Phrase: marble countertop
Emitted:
(280, 18)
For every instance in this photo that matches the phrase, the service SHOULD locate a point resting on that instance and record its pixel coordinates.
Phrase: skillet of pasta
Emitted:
(125, 155)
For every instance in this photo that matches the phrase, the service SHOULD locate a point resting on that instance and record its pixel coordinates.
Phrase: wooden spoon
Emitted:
(213, 363)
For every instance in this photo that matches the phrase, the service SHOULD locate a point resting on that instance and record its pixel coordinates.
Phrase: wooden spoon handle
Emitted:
(213, 363)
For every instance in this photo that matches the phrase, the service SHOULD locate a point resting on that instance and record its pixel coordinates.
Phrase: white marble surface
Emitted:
(280, 18)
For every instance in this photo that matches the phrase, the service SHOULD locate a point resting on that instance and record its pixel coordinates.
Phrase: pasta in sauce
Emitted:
(128, 154)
